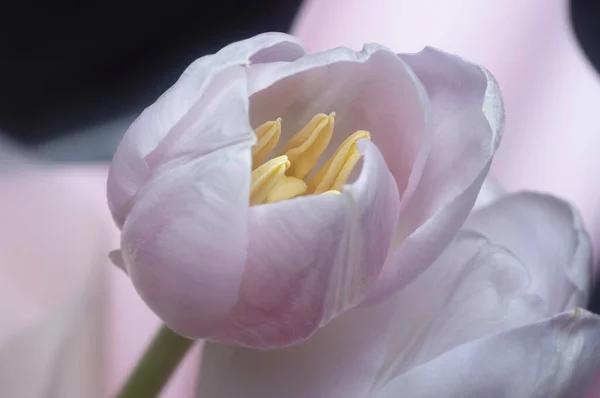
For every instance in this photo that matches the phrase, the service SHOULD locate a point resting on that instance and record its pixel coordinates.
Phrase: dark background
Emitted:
(69, 66)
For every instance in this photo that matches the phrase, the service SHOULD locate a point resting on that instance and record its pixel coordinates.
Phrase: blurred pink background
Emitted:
(551, 144)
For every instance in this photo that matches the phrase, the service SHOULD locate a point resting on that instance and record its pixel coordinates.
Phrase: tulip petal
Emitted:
(312, 257)
(370, 90)
(465, 140)
(185, 240)
(178, 107)
(557, 357)
(547, 235)
(473, 290)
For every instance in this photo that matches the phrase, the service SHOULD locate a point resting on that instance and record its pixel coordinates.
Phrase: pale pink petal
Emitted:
(369, 90)
(340, 360)
(463, 145)
(185, 240)
(556, 357)
(311, 258)
(473, 290)
(218, 119)
(179, 105)
(547, 235)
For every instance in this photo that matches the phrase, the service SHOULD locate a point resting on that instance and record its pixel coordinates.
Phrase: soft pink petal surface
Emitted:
(185, 239)
(464, 141)
(478, 303)
(472, 290)
(548, 236)
(552, 358)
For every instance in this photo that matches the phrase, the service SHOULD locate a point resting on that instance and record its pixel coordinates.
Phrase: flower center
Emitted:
(288, 175)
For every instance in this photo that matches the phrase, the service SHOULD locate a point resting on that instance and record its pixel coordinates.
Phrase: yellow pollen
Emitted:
(334, 174)
(267, 138)
(306, 147)
(266, 177)
(286, 176)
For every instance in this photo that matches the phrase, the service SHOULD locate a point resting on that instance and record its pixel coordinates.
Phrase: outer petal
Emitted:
(556, 357)
(548, 236)
(185, 241)
(179, 105)
(473, 290)
(465, 140)
(313, 257)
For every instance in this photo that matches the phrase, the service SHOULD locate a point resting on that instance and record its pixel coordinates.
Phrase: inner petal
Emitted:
(373, 90)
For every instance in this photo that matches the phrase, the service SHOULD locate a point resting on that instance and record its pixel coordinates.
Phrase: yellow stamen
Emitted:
(334, 174)
(284, 177)
(286, 188)
(268, 136)
(266, 177)
(305, 148)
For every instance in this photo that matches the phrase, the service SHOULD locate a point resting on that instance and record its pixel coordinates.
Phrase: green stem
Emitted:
(154, 369)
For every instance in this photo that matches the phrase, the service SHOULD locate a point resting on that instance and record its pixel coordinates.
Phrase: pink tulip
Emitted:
(225, 247)
(495, 316)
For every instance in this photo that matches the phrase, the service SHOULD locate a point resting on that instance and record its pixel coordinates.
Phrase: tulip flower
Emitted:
(495, 316)
(268, 192)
